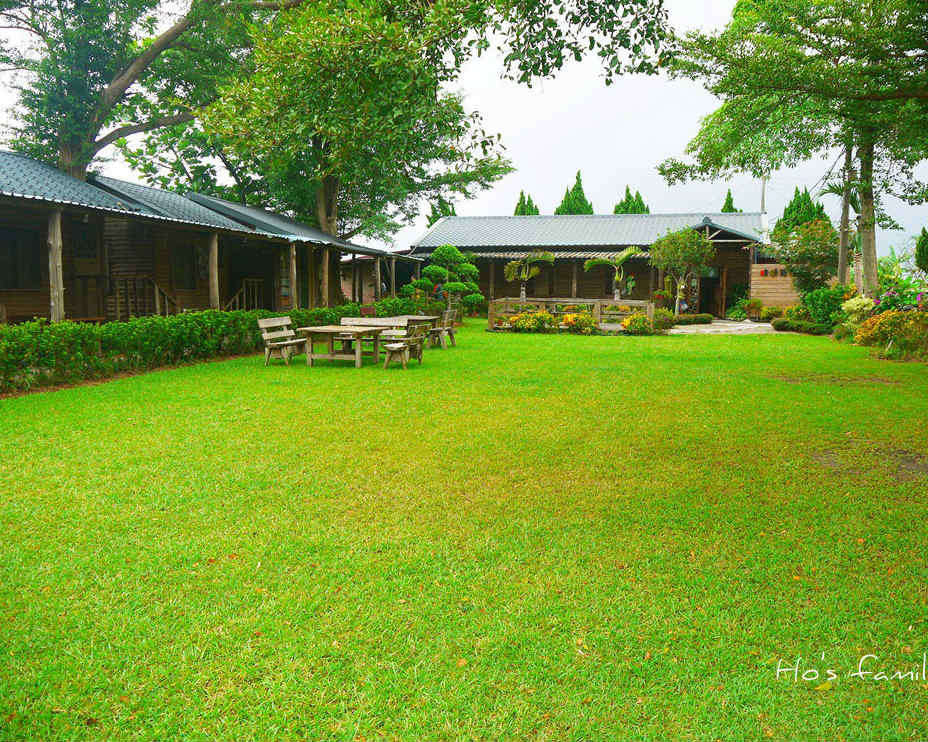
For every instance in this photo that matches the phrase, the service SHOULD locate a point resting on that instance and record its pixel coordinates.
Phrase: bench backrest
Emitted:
(276, 329)
(447, 318)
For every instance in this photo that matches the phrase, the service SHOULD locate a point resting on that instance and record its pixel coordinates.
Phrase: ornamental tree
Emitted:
(525, 269)
(921, 252)
(729, 206)
(682, 255)
(631, 204)
(810, 253)
(800, 210)
(525, 206)
(461, 274)
(616, 265)
(575, 200)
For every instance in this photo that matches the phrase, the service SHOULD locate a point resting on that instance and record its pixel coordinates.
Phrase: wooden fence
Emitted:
(604, 311)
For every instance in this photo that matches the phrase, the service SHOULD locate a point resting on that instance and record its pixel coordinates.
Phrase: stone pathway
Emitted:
(724, 327)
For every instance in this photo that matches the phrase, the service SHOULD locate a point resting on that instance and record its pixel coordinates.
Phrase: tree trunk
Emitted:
(845, 217)
(71, 160)
(868, 219)
(327, 205)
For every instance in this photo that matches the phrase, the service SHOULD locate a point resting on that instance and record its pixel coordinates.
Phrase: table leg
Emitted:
(309, 351)
(377, 348)
(331, 345)
(357, 353)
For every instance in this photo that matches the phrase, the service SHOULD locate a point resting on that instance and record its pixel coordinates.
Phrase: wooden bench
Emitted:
(279, 339)
(444, 331)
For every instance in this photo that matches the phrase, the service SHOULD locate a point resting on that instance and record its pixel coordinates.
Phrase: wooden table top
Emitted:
(341, 330)
(400, 320)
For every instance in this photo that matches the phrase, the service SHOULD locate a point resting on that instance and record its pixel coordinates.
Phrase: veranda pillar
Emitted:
(294, 289)
(214, 271)
(55, 273)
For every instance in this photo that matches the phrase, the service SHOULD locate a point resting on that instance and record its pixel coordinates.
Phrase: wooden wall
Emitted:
(775, 289)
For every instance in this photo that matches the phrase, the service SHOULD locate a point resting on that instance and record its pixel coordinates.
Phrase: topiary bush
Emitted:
(693, 319)
(663, 319)
(783, 324)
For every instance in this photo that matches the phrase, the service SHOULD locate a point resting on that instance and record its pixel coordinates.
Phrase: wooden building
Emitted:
(105, 249)
(574, 239)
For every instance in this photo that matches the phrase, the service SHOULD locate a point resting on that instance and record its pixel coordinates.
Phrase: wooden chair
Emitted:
(444, 331)
(409, 346)
(279, 339)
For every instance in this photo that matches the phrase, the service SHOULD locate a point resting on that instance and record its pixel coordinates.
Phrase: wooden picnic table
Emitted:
(396, 322)
(348, 335)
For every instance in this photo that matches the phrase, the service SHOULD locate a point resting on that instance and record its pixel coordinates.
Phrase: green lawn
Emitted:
(528, 537)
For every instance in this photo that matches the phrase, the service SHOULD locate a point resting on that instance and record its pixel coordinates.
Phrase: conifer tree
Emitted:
(801, 210)
(575, 201)
(631, 204)
(530, 208)
(520, 207)
(729, 206)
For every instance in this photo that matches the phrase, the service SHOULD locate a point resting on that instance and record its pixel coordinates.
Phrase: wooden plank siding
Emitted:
(775, 289)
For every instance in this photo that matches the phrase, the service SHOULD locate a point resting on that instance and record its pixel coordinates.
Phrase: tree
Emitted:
(921, 252)
(810, 253)
(526, 206)
(440, 209)
(460, 274)
(800, 210)
(729, 206)
(616, 265)
(799, 78)
(526, 269)
(631, 204)
(575, 201)
(681, 255)
(386, 134)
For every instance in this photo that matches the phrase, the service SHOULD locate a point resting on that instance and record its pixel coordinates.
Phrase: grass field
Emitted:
(528, 537)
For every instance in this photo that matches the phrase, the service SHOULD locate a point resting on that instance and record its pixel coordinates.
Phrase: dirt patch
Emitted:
(904, 465)
(836, 380)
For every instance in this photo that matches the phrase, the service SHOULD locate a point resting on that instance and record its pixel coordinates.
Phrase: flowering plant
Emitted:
(580, 323)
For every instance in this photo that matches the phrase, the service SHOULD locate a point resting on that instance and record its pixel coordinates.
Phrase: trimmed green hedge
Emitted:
(784, 324)
(38, 353)
(693, 319)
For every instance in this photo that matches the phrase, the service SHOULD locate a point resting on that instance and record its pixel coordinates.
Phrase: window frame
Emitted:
(19, 248)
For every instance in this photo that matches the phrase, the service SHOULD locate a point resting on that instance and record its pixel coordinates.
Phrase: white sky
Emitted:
(615, 135)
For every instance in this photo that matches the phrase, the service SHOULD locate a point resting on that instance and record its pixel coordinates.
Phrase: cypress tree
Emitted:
(526, 206)
(520, 207)
(640, 206)
(631, 204)
(530, 208)
(800, 210)
(921, 251)
(729, 206)
(575, 201)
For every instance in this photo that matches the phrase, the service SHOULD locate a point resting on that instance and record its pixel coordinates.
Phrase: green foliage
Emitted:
(663, 319)
(423, 284)
(579, 323)
(526, 206)
(575, 201)
(729, 206)
(474, 303)
(797, 312)
(736, 313)
(527, 268)
(857, 309)
(440, 208)
(800, 210)
(770, 313)
(616, 265)
(810, 253)
(897, 334)
(631, 204)
(637, 323)
(921, 251)
(434, 274)
(533, 321)
(694, 319)
(784, 324)
(39, 353)
(824, 304)
(681, 255)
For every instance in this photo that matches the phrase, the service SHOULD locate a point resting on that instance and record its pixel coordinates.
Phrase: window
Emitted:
(185, 267)
(20, 259)
(84, 237)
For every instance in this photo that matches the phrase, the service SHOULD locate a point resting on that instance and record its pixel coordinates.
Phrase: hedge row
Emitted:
(693, 319)
(38, 353)
(784, 324)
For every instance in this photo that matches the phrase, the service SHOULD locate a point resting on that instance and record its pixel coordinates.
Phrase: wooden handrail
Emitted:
(248, 297)
(140, 296)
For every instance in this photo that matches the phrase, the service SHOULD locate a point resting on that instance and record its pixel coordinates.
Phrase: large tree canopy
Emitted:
(801, 77)
(95, 71)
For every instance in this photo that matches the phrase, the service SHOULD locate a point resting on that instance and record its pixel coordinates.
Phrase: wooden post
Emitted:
(573, 280)
(214, 270)
(354, 277)
(392, 276)
(154, 288)
(294, 289)
(311, 296)
(418, 269)
(723, 290)
(492, 291)
(376, 279)
(55, 273)
(326, 269)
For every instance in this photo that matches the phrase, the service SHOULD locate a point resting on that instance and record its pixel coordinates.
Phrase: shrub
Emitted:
(637, 324)
(824, 304)
(663, 319)
(810, 253)
(736, 313)
(858, 309)
(39, 353)
(693, 319)
(540, 321)
(769, 313)
(897, 334)
(753, 307)
(784, 324)
(474, 303)
(580, 323)
(797, 312)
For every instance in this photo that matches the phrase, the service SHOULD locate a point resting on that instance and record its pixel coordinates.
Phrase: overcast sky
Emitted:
(615, 135)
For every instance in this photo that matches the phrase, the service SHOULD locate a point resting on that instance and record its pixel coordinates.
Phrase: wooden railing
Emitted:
(604, 311)
(140, 296)
(249, 296)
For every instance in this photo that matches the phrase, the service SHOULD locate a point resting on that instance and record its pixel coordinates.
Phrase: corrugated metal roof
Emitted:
(563, 232)
(24, 177)
(559, 255)
(168, 203)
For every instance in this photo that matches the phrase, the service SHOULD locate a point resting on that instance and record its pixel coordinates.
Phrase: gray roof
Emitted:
(560, 254)
(479, 233)
(24, 177)
(167, 203)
